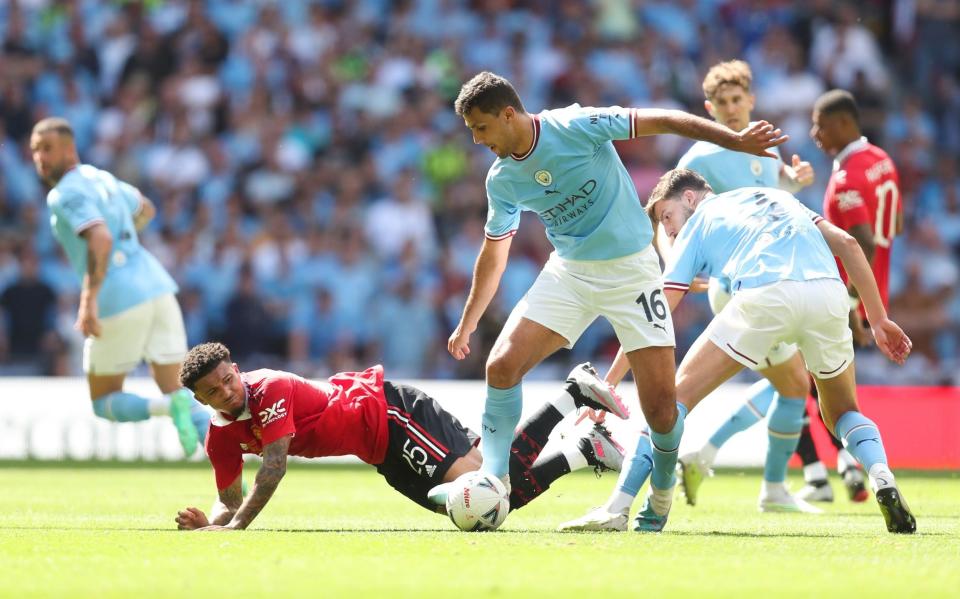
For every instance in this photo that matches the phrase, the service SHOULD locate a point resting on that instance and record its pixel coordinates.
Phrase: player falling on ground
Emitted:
(728, 99)
(128, 309)
(562, 165)
(786, 289)
(414, 443)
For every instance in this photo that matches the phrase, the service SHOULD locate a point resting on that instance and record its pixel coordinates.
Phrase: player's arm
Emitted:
(891, 340)
(229, 502)
(755, 139)
(491, 262)
(144, 214)
(271, 472)
(99, 243)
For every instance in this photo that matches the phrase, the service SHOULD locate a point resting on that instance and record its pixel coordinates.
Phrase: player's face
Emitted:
(827, 132)
(731, 106)
(222, 389)
(672, 215)
(52, 155)
(493, 130)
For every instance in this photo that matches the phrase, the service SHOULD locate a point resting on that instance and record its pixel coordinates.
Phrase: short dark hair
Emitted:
(837, 101)
(488, 92)
(672, 184)
(54, 124)
(200, 361)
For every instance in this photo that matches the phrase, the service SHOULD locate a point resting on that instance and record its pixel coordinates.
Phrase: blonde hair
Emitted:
(55, 124)
(731, 72)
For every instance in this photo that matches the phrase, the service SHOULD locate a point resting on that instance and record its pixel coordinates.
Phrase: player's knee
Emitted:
(662, 418)
(502, 372)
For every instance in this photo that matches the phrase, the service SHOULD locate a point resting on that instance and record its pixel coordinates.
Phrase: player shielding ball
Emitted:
(779, 256)
(128, 309)
(561, 164)
(413, 442)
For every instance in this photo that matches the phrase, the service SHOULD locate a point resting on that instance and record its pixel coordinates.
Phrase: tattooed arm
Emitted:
(99, 243)
(231, 498)
(268, 478)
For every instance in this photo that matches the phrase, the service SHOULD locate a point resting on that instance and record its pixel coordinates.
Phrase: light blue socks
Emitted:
(638, 467)
(861, 438)
(783, 434)
(759, 397)
(121, 406)
(665, 447)
(501, 414)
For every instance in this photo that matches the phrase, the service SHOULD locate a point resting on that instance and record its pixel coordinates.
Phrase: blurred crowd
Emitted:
(321, 205)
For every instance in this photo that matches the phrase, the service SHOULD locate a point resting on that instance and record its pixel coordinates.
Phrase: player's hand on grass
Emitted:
(459, 343)
(891, 340)
(87, 321)
(191, 518)
(759, 137)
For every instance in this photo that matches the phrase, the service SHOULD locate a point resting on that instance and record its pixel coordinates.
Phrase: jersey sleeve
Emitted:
(131, 195)
(225, 455)
(503, 214)
(604, 124)
(75, 209)
(850, 200)
(275, 414)
(686, 258)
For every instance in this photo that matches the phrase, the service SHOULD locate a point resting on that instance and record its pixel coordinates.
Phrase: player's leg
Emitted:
(704, 368)
(696, 465)
(521, 345)
(108, 358)
(861, 437)
(816, 487)
(827, 346)
(847, 466)
(783, 431)
(426, 446)
(166, 344)
(531, 473)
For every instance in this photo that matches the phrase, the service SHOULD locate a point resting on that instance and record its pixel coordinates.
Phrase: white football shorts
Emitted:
(758, 327)
(568, 295)
(152, 331)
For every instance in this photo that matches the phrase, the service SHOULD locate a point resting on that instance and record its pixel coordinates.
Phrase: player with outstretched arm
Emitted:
(413, 442)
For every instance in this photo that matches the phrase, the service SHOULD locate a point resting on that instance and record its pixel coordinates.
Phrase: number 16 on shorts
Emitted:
(653, 306)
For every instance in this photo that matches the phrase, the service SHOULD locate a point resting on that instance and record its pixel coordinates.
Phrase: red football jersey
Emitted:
(345, 415)
(865, 189)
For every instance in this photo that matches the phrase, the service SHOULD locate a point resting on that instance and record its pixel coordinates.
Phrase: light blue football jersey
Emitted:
(752, 236)
(85, 196)
(573, 179)
(727, 169)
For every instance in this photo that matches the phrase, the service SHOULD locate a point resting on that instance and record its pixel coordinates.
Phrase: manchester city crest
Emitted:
(755, 167)
(543, 177)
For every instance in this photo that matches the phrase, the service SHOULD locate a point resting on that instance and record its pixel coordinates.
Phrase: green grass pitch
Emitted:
(82, 531)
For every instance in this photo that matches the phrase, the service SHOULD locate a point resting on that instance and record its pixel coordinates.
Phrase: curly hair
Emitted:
(488, 92)
(731, 72)
(200, 361)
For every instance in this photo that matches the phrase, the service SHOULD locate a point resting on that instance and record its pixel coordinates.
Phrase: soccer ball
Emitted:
(478, 501)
